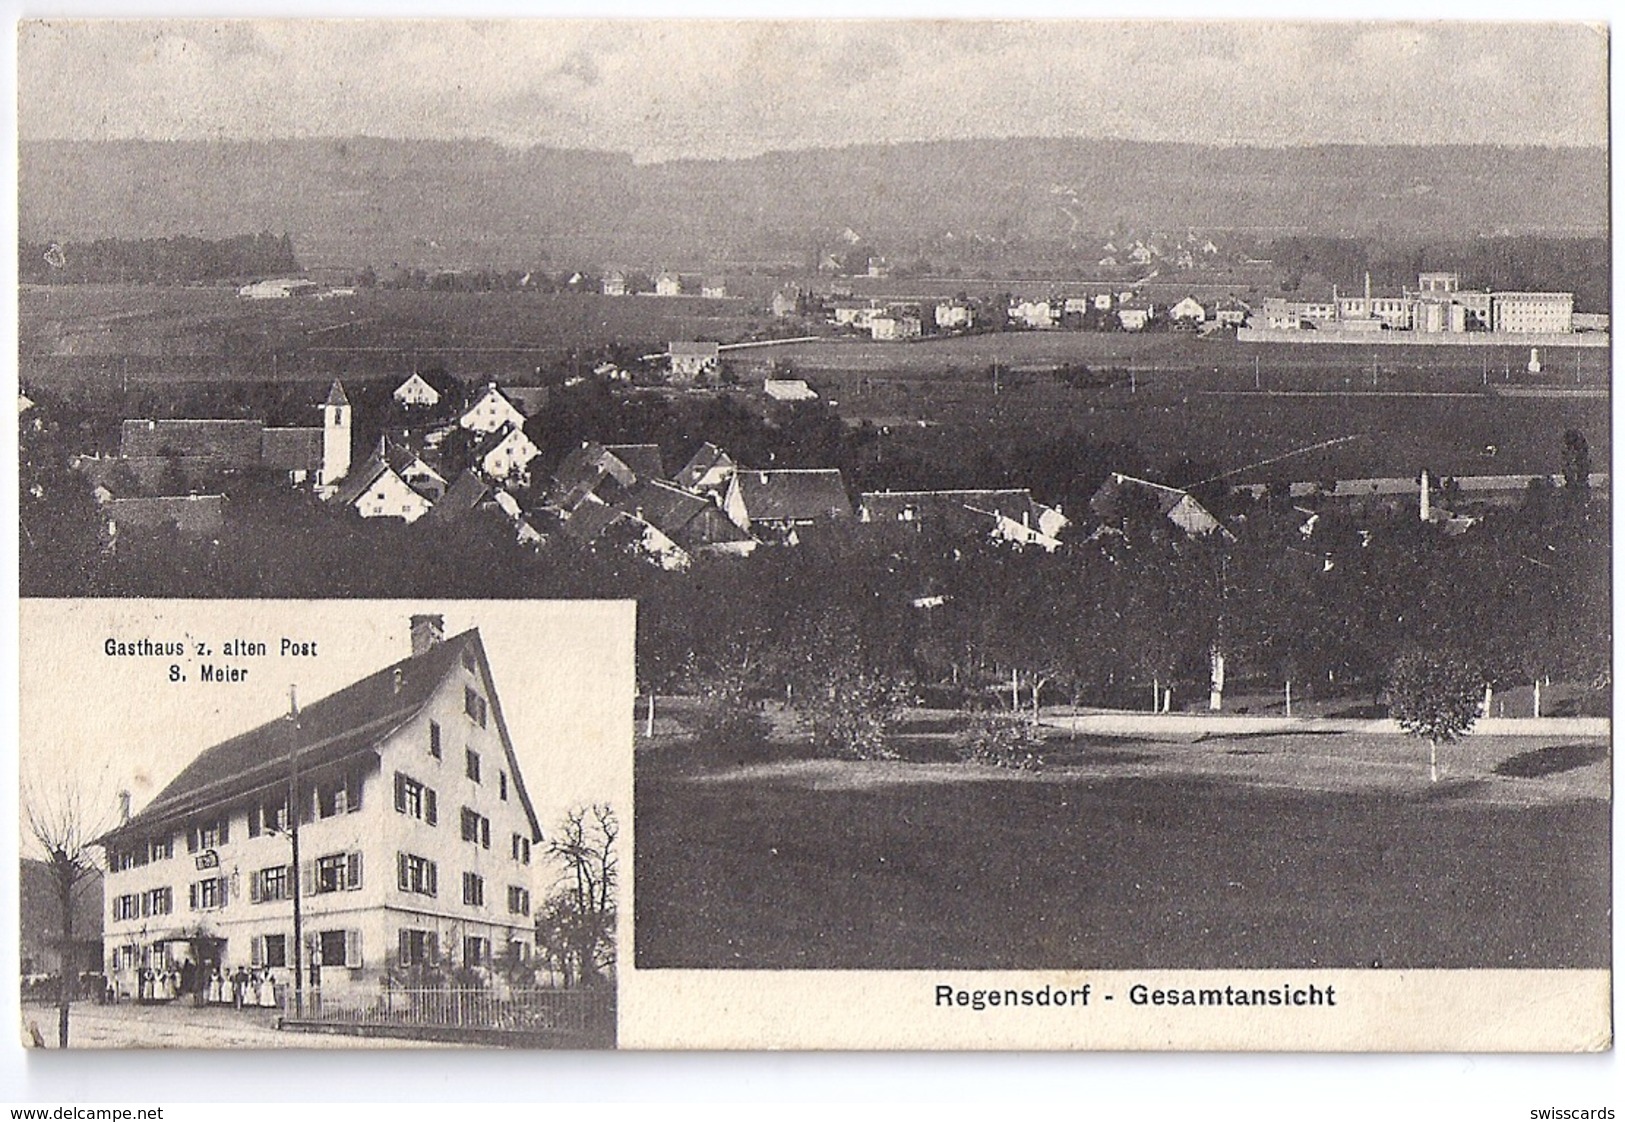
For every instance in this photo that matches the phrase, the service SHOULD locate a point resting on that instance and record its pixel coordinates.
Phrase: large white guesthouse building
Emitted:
(416, 838)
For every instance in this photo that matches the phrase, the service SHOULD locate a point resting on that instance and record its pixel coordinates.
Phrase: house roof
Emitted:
(583, 471)
(460, 498)
(529, 400)
(229, 441)
(335, 395)
(788, 389)
(1177, 505)
(706, 459)
(192, 515)
(333, 729)
(643, 459)
(683, 349)
(356, 483)
(802, 495)
(951, 507)
(292, 449)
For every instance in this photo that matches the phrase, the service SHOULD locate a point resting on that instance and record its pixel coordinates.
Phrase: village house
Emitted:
(614, 284)
(416, 392)
(279, 289)
(952, 316)
(379, 488)
(1006, 515)
(709, 471)
(491, 412)
(693, 360)
(1034, 313)
(668, 284)
(1189, 310)
(786, 303)
(774, 505)
(714, 290)
(416, 836)
(890, 328)
(1134, 315)
(1178, 506)
(788, 389)
(192, 516)
(506, 456)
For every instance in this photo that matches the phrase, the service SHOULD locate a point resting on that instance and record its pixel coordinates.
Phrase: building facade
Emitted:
(416, 840)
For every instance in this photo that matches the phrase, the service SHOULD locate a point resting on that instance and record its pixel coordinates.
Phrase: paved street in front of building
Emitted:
(185, 1026)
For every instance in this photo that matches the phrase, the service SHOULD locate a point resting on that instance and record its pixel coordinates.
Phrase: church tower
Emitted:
(335, 437)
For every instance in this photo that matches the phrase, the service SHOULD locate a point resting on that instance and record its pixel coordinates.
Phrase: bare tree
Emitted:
(576, 926)
(64, 821)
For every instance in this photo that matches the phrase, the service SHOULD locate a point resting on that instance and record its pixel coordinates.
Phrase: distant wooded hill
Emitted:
(463, 203)
(170, 260)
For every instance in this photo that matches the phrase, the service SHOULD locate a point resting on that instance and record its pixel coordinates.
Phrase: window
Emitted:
(339, 795)
(413, 798)
(206, 895)
(476, 950)
(120, 859)
(434, 739)
(473, 889)
(158, 902)
(338, 872)
(269, 884)
(471, 765)
(340, 948)
(518, 900)
(274, 950)
(520, 847)
(474, 705)
(417, 874)
(476, 828)
(126, 907)
(468, 659)
(269, 815)
(207, 835)
(502, 785)
(418, 948)
(162, 849)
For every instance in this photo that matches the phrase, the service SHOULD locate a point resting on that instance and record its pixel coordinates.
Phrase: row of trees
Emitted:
(173, 260)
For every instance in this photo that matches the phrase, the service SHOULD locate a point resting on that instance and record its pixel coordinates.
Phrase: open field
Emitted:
(1229, 852)
(1211, 400)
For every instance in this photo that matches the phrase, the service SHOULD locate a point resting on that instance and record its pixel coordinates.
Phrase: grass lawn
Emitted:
(1241, 852)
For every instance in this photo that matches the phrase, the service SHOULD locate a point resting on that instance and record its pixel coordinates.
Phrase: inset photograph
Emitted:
(311, 824)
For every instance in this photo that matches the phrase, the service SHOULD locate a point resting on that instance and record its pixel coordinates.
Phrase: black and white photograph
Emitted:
(1117, 512)
(356, 824)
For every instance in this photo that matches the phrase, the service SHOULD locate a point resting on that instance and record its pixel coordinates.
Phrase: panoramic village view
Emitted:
(1050, 551)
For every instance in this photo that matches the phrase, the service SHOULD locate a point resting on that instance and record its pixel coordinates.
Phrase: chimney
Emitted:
(400, 679)
(427, 630)
(123, 807)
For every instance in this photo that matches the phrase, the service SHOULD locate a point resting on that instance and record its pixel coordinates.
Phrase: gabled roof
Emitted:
(462, 497)
(583, 471)
(952, 508)
(529, 400)
(335, 728)
(234, 442)
(693, 350)
(1178, 506)
(360, 478)
(796, 495)
(643, 459)
(708, 459)
(335, 395)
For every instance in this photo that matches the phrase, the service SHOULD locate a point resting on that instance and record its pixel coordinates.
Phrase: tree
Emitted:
(64, 826)
(1576, 465)
(576, 925)
(1434, 694)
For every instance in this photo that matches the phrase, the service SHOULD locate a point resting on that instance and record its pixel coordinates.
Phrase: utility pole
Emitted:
(1257, 385)
(293, 836)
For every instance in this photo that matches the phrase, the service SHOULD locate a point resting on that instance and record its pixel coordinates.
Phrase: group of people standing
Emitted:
(242, 988)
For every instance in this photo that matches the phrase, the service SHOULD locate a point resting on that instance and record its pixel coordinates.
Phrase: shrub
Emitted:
(1000, 742)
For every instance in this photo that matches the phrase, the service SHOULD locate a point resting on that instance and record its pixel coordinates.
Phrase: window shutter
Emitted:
(352, 878)
(400, 871)
(191, 896)
(225, 891)
(485, 832)
(313, 948)
(352, 791)
(254, 895)
(403, 954)
(400, 793)
(307, 878)
(256, 950)
(431, 946)
(431, 813)
(191, 839)
(225, 828)
(352, 949)
(434, 880)
(254, 821)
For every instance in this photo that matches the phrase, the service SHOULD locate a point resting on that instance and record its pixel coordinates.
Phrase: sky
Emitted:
(675, 89)
(563, 673)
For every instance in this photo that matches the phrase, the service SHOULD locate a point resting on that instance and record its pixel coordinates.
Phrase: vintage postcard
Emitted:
(1117, 515)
